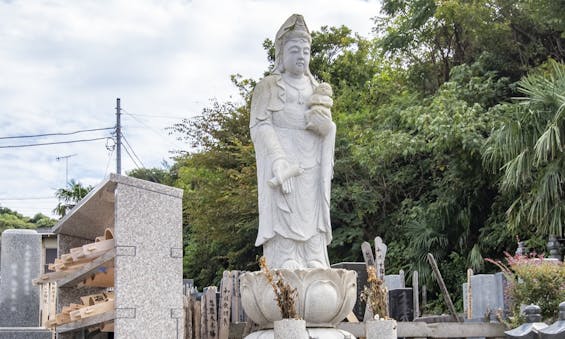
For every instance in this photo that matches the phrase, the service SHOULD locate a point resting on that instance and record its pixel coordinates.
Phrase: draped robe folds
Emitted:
(278, 130)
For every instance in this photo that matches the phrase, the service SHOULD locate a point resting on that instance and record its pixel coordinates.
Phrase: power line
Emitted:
(142, 123)
(53, 143)
(27, 198)
(60, 133)
(158, 116)
(132, 159)
(131, 149)
(110, 153)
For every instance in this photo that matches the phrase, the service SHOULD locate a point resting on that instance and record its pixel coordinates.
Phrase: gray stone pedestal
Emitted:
(320, 333)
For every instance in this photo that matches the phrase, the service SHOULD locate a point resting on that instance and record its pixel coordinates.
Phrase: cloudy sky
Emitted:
(63, 64)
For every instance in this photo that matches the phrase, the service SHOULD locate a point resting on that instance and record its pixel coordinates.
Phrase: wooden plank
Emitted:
(103, 278)
(226, 289)
(107, 327)
(352, 318)
(197, 319)
(187, 305)
(211, 313)
(236, 298)
(369, 261)
(416, 294)
(443, 288)
(469, 295)
(203, 317)
(74, 278)
(88, 322)
(380, 254)
(50, 277)
(367, 254)
(96, 309)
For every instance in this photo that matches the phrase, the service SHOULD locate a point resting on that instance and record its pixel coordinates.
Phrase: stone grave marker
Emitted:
(20, 263)
(226, 289)
(487, 295)
(394, 281)
(401, 304)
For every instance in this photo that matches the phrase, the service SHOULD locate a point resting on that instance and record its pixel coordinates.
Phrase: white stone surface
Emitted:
(315, 333)
(380, 329)
(487, 294)
(290, 329)
(325, 296)
(294, 141)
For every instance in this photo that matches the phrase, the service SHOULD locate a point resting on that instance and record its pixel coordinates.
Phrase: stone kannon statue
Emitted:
(294, 139)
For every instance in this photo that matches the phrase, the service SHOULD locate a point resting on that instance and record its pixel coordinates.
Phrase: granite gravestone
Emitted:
(360, 268)
(487, 294)
(394, 281)
(21, 262)
(401, 304)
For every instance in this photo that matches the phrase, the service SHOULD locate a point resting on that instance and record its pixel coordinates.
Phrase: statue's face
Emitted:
(296, 56)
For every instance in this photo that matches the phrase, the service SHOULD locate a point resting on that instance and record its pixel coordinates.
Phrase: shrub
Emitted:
(533, 280)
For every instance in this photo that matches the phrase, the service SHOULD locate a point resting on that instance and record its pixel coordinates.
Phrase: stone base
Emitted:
(24, 333)
(381, 329)
(316, 333)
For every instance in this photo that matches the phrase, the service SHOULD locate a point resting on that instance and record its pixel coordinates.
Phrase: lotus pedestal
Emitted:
(324, 298)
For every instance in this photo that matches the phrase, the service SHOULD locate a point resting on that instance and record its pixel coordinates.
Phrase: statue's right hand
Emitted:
(279, 166)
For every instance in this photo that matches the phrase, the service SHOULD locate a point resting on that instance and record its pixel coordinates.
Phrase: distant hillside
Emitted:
(13, 219)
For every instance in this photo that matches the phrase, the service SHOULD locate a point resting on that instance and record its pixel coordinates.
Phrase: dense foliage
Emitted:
(12, 219)
(433, 153)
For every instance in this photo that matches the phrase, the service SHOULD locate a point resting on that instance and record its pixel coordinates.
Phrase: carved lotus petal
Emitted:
(325, 296)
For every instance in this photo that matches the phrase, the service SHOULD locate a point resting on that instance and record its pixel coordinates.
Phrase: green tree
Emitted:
(12, 219)
(508, 36)
(159, 175)
(220, 193)
(70, 196)
(528, 147)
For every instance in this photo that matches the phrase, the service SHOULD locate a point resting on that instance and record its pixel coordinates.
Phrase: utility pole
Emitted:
(66, 157)
(118, 138)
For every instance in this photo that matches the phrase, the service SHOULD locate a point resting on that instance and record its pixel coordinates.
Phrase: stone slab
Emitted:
(487, 295)
(21, 263)
(394, 281)
(401, 304)
(24, 333)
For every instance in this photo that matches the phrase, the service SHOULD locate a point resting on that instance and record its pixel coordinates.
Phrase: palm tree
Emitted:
(529, 149)
(70, 196)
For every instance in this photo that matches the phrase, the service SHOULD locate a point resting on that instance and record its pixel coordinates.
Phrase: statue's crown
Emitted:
(293, 27)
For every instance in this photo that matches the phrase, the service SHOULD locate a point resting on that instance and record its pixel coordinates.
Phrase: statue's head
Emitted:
(293, 30)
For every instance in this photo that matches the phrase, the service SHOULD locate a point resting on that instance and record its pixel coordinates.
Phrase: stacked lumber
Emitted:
(91, 305)
(78, 257)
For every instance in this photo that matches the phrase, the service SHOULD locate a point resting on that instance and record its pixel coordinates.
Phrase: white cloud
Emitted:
(62, 65)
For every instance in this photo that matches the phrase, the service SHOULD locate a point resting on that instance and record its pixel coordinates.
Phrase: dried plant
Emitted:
(285, 295)
(375, 294)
